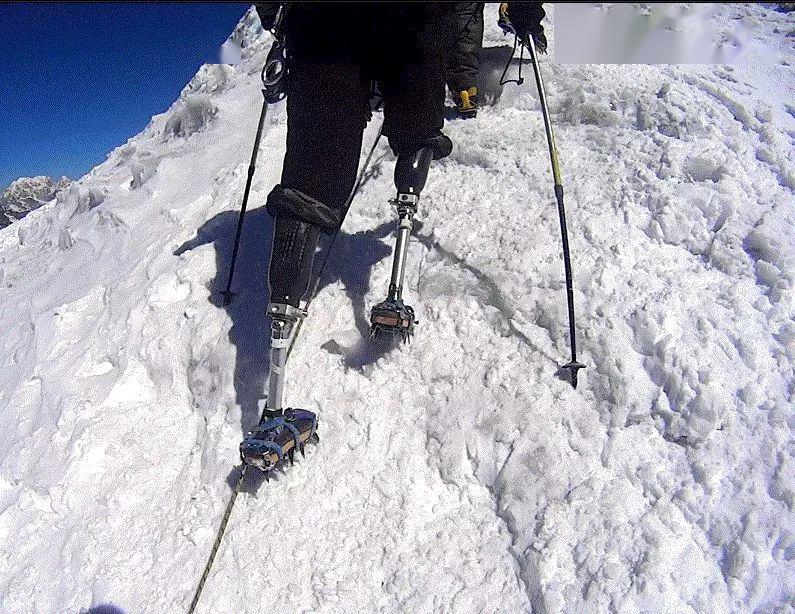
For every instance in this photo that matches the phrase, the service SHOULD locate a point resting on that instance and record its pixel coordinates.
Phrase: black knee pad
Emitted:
(303, 207)
(440, 144)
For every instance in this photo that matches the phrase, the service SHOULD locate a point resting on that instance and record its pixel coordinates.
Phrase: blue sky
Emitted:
(77, 80)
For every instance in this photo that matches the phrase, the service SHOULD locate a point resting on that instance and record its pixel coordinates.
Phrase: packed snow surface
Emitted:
(458, 473)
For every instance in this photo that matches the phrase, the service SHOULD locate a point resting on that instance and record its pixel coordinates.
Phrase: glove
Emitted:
(524, 20)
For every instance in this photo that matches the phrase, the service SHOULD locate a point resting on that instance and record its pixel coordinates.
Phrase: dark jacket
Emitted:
(347, 25)
(373, 34)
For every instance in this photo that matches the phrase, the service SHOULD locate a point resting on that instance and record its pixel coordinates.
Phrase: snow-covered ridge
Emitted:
(25, 194)
(458, 473)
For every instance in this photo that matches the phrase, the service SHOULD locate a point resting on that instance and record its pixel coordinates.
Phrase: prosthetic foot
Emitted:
(278, 438)
(393, 316)
(281, 431)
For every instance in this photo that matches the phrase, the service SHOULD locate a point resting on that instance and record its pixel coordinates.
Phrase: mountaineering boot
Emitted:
(393, 315)
(466, 102)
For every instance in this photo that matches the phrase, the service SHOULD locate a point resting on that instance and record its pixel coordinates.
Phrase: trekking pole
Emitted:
(228, 294)
(573, 366)
(272, 91)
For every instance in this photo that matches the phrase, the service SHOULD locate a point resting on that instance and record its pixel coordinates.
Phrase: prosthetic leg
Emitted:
(283, 431)
(393, 316)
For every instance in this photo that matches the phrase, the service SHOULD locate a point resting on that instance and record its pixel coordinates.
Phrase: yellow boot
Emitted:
(466, 102)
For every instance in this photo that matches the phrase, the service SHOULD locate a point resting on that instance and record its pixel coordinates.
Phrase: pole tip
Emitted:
(573, 367)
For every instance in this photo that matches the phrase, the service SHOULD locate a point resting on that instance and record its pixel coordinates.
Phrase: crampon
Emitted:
(393, 317)
(278, 438)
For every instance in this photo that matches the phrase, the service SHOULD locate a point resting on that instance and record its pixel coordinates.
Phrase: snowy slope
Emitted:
(25, 194)
(458, 473)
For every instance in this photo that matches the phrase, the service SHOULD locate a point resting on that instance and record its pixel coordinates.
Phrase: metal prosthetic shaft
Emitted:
(282, 431)
(393, 315)
(407, 207)
(285, 318)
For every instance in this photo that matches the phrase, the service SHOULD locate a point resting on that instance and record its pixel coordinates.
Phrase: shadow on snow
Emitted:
(103, 608)
(350, 262)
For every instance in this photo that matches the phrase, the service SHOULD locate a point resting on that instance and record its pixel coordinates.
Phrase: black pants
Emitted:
(335, 51)
(464, 58)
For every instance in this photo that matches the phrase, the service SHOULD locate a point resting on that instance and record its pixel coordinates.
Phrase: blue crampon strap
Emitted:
(303, 414)
(257, 437)
(269, 425)
(272, 446)
(273, 424)
(314, 426)
(296, 435)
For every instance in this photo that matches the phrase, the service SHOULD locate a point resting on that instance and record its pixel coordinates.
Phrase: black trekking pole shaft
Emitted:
(572, 366)
(272, 92)
(251, 168)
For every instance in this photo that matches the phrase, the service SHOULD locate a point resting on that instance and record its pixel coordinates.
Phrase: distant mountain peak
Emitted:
(25, 194)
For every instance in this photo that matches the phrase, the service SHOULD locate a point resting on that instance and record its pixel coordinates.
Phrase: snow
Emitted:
(458, 473)
(26, 194)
